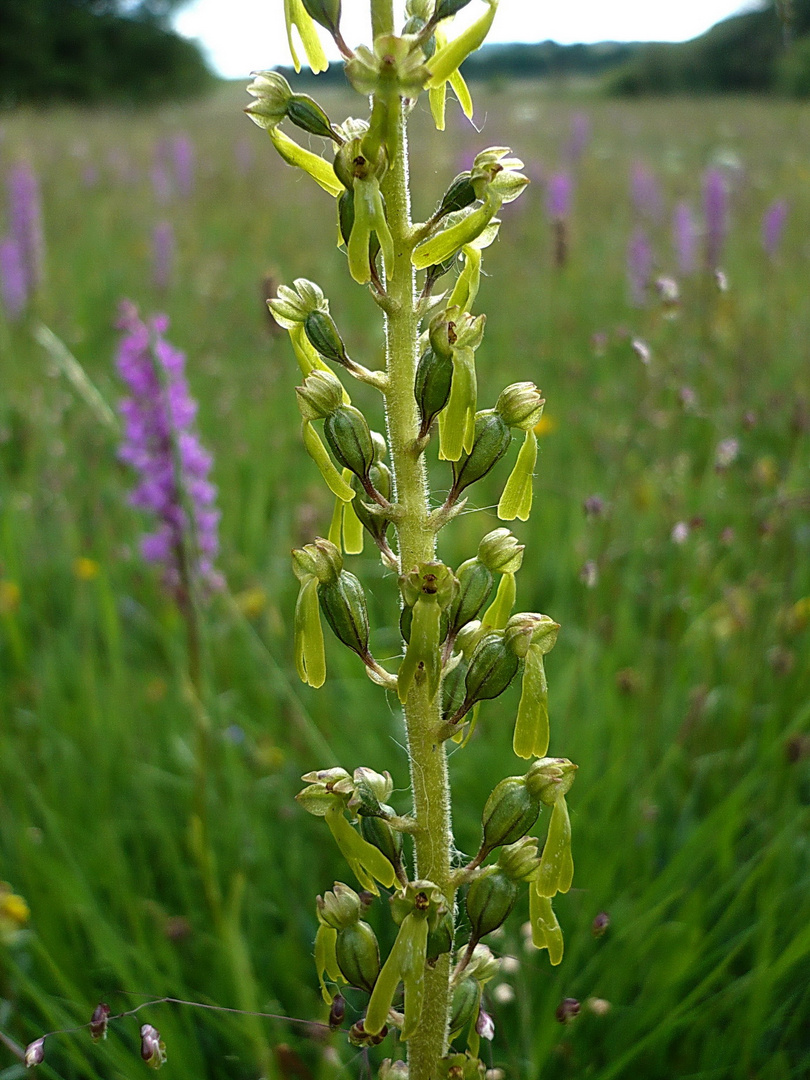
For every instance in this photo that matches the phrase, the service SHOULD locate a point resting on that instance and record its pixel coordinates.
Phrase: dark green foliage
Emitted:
(89, 52)
(756, 51)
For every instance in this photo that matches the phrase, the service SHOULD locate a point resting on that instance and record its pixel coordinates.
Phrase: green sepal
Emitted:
(448, 58)
(310, 656)
(556, 865)
(498, 612)
(448, 241)
(317, 451)
(320, 170)
(516, 500)
(423, 647)
(365, 861)
(326, 959)
(466, 287)
(295, 15)
(457, 426)
(531, 737)
(546, 932)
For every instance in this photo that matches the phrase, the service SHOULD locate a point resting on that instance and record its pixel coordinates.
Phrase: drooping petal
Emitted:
(516, 500)
(531, 727)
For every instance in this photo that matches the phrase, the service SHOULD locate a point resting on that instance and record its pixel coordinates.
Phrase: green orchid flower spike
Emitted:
(462, 641)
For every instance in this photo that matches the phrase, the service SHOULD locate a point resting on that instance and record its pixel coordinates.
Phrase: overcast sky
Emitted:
(240, 36)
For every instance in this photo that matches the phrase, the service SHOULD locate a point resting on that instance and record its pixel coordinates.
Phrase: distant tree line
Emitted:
(757, 51)
(95, 52)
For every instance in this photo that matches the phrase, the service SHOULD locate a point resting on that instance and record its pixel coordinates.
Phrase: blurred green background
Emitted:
(680, 683)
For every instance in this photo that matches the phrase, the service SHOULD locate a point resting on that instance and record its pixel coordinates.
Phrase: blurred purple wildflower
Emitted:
(559, 196)
(685, 238)
(161, 445)
(580, 136)
(163, 248)
(25, 222)
(183, 158)
(13, 278)
(773, 225)
(639, 267)
(645, 192)
(715, 209)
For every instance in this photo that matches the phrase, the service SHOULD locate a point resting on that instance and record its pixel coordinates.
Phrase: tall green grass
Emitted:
(681, 682)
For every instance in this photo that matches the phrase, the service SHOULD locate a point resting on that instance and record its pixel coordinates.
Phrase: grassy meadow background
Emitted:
(680, 683)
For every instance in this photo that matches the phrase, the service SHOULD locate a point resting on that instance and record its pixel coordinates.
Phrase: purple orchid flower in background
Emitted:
(160, 443)
(645, 192)
(773, 226)
(25, 223)
(13, 278)
(580, 137)
(685, 238)
(163, 250)
(639, 267)
(715, 209)
(184, 161)
(559, 196)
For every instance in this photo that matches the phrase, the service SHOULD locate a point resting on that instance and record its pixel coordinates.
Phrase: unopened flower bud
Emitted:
(98, 1022)
(343, 603)
(519, 861)
(520, 405)
(501, 552)
(483, 966)
(349, 438)
(370, 790)
(337, 1012)
(485, 1025)
(490, 899)
(273, 94)
(466, 1000)
(320, 395)
(510, 811)
(434, 379)
(567, 1010)
(35, 1053)
(358, 955)
(324, 12)
(600, 924)
(339, 907)
(292, 305)
(490, 442)
(393, 1070)
(358, 1036)
(320, 559)
(550, 778)
(153, 1050)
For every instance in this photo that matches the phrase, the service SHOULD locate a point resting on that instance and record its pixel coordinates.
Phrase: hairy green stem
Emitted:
(417, 543)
